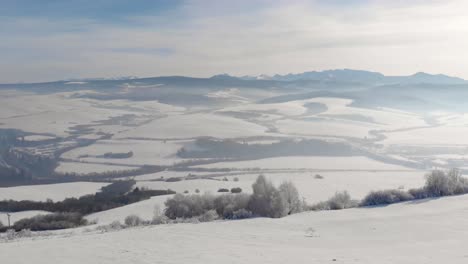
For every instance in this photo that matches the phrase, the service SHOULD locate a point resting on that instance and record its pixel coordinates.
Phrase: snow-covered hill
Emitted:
(426, 231)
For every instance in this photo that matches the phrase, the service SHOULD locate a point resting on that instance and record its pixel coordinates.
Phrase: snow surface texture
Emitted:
(407, 233)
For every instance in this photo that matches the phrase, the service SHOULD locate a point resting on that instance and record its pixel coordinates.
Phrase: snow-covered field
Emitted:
(313, 163)
(313, 189)
(55, 192)
(144, 209)
(196, 125)
(144, 152)
(432, 232)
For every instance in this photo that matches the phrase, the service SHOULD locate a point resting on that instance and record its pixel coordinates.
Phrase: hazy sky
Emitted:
(44, 40)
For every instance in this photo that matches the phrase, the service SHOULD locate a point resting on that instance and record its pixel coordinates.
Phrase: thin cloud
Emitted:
(200, 38)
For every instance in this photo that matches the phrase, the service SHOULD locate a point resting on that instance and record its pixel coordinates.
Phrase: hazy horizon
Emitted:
(129, 77)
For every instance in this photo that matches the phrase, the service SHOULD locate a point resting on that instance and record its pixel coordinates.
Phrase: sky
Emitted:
(54, 40)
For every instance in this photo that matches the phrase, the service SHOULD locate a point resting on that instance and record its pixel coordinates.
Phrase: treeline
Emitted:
(117, 194)
(230, 149)
(107, 175)
(47, 222)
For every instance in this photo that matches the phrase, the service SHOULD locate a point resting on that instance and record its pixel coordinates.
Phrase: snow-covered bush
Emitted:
(341, 200)
(226, 205)
(241, 214)
(386, 197)
(24, 233)
(208, 216)
(51, 222)
(134, 220)
(10, 234)
(160, 220)
(188, 206)
(114, 226)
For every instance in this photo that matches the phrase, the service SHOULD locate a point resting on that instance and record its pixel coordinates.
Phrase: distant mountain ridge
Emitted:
(329, 76)
(360, 76)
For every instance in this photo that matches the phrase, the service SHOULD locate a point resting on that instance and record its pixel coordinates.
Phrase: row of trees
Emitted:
(117, 194)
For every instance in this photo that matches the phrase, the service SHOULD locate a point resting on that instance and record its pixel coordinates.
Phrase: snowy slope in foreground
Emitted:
(434, 231)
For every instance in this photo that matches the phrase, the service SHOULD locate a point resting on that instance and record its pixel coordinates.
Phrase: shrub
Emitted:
(114, 226)
(188, 206)
(134, 220)
(192, 220)
(197, 191)
(160, 220)
(419, 193)
(241, 214)
(236, 190)
(50, 222)
(236, 179)
(223, 190)
(186, 191)
(24, 233)
(208, 216)
(226, 205)
(318, 176)
(341, 200)
(290, 195)
(10, 234)
(386, 197)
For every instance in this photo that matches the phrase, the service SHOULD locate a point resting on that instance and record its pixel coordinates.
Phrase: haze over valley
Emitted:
(240, 132)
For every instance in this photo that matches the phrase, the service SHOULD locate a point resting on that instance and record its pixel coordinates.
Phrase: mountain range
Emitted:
(327, 76)
(359, 76)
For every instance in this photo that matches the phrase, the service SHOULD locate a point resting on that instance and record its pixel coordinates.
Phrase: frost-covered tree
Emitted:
(266, 200)
(440, 183)
(291, 198)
